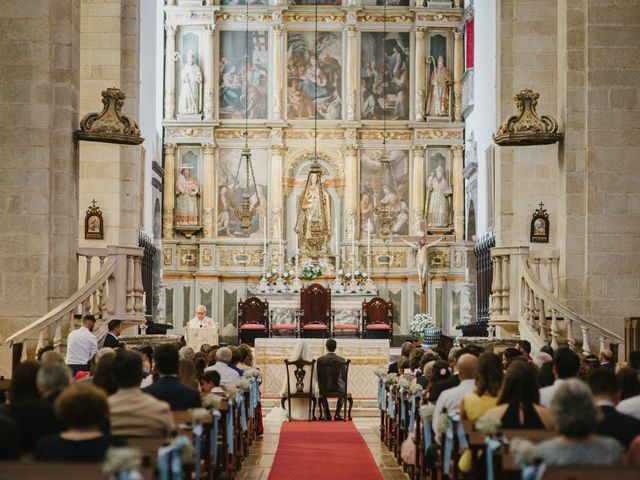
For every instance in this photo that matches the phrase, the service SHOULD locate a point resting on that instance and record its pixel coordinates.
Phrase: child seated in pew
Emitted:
(210, 383)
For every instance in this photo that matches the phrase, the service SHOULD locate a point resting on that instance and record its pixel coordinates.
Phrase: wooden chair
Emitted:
(253, 320)
(299, 374)
(315, 311)
(333, 382)
(377, 318)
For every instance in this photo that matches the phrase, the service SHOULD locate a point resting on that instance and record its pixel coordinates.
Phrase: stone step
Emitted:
(361, 408)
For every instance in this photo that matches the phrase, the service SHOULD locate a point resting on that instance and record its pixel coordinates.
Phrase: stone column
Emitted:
(458, 71)
(417, 181)
(420, 75)
(170, 73)
(168, 192)
(275, 193)
(209, 75)
(350, 177)
(277, 52)
(208, 188)
(458, 192)
(352, 78)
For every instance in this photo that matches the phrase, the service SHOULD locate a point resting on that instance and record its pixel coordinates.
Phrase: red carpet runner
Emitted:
(322, 451)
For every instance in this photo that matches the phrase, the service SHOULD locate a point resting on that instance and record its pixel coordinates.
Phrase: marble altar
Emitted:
(365, 356)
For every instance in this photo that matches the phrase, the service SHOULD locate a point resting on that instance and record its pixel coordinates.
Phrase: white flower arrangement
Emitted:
(311, 271)
(419, 323)
(231, 392)
(381, 372)
(249, 373)
(212, 401)
(392, 378)
(404, 383)
(444, 422)
(243, 384)
(415, 388)
(488, 425)
(524, 451)
(199, 415)
(426, 412)
(122, 459)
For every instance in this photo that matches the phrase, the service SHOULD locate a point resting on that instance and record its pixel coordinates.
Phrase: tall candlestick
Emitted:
(353, 243)
(368, 236)
(337, 253)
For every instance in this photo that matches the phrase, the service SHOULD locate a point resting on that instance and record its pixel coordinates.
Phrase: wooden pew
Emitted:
(591, 473)
(58, 471)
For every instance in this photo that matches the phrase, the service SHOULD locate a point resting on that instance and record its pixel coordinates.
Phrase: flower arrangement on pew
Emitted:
(199, 415)
(404, 384)
(392, 378)
(212, 401)
(243, 383)
(123, 462)
(488, 425)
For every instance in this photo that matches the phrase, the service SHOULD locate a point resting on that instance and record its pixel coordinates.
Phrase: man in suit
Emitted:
(606, 394)
(331, 379)
(115, 330)
(131, 411)
(168, 387)
(606, 360)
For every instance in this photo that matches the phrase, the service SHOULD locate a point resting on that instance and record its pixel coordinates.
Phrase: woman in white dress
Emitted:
(299, 406)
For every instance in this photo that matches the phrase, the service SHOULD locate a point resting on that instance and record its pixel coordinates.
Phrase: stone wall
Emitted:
(39, 82)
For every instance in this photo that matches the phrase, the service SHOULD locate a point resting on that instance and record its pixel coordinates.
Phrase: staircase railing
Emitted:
(525, 291)
(114, 291)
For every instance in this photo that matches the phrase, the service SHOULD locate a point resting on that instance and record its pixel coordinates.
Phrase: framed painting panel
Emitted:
(439, 190)
(188, 186)
(439, 75)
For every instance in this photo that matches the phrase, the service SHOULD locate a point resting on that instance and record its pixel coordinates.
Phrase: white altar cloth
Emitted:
(365, 356)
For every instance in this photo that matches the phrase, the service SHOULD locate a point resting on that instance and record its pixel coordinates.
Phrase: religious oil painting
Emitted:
(385, 77)
(316, 2)
(244, 2)
(235, 92)
(439, 191)
(232, 182)
(389, 3)
(384, 184)
(187, 187)
(190, 76)
(314, 84)
(439, 77)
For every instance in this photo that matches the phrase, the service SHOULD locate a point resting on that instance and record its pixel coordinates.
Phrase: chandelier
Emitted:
(312, 224)
(384, 215)
(246, 211)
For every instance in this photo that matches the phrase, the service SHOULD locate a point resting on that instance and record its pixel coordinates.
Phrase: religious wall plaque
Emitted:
(540, 225)
(93, 223)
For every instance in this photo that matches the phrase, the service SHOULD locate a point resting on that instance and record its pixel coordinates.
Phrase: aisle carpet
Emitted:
(322, 451)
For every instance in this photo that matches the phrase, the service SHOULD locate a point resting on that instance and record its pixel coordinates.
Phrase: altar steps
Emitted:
(361, 408)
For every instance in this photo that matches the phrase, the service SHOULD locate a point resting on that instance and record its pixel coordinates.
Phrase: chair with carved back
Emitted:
(377, 318)
(299, 373)
(333, 382)
(315, 311)
(253, 320)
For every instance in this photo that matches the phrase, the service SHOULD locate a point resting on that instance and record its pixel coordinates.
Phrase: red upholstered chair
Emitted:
(377, 318)
(253, 319)
(315, 311)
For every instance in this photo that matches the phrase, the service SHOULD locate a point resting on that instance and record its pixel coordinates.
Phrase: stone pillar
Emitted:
(209, 75)
(170, 73)
(208, 188)
(458, 71)
(275, 193)
(458, 192)
(350, 177)
(420, 75)
(352, 75)
(417, 184)
(277, 52)
(168, 192)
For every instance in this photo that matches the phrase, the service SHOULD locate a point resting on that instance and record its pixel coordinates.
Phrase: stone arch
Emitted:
(334, 163)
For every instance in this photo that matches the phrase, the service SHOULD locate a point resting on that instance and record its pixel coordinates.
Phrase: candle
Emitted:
(337, 253)
(466, 275)
(353, 240)
(368, 236)
(264, 238)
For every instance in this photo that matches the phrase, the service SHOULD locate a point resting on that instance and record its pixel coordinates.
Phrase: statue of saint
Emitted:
(191, 78)
(438, 203)
(439, 81)
(312, 208)
(187, 193)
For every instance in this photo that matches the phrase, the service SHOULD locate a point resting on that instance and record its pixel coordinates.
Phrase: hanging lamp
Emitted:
(246, 211)
(312, 224)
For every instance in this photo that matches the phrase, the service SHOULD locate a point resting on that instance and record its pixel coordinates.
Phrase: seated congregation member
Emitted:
(235, 359)
(634, 360)
(524, 347)
(133, 412)
(606, 360)
(115, 330)
(576, 418)
(405, 351)
(51, 380)
(330, 384)
(405, 371)
(629, 382)
(246, 357)
(34, 416)
(518, 402)
(228, 376)
(168, 387)
(451, 399)
(186, 353)
(606, 394)
(187, 374)
(200, 362)
(438, 372)
(103, 373)
(454, 355)
(82, 345)
(422, 378)
(82, 409)
(508, 356)
(210, 382)
(566, 364)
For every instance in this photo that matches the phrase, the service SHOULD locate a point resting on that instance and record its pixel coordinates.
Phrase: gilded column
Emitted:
(168, 190)
(170, 73)
(417, 182)
(420, 74)
(208, 188)
(275, 193)
(352, 79)
(458, 192)
(209, 75)
(277, 50)
(458, 71)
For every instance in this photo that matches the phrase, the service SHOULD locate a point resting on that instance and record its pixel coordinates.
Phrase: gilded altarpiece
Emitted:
(374, 94)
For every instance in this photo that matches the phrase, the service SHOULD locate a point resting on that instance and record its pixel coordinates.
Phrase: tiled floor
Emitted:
(258, 464)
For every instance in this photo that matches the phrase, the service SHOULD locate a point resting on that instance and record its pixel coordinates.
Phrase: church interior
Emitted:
(222, 218)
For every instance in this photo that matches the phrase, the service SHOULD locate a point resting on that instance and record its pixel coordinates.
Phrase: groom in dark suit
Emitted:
(115, 330)
(330, 378)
